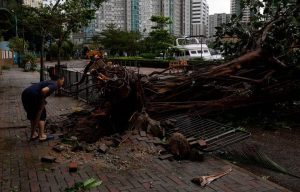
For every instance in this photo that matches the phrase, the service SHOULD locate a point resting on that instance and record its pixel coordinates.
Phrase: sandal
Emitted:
(46, 138)
(34, 137)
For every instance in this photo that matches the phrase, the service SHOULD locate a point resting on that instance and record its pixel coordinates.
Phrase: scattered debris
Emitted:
(77, 147)
(143, 134)
(48, 159)
(90, 148)
(73, 166)
(179, 145)
(167, 156)
(206, 180)
(58, 148)
(102, 148)
(202, 143)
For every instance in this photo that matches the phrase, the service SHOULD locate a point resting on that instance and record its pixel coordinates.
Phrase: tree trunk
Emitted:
(58, 56)
(42, 59)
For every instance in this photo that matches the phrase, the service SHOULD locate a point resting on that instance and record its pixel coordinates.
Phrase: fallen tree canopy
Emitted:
(264, 71)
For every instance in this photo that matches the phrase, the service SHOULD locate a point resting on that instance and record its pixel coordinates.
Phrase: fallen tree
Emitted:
(262, 72)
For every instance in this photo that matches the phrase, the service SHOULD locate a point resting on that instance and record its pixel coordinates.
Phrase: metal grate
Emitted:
(215, 134)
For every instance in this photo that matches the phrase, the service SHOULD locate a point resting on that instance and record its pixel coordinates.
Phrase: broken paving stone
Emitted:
(73, 138)
(58, 148)
(202, 143)
(48, 159)
(69, 140)
(142, 138)
(117, 141)
(143, 133)
(77, 147)
(167, 156)
(109, 143)
(73, 166)
(90, 148)
(102, 148)
(157, 141)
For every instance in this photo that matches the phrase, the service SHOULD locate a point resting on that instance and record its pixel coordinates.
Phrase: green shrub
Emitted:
(148, 55)
(29, 62)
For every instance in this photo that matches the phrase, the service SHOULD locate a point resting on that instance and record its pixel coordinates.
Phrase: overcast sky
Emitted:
(218, 6)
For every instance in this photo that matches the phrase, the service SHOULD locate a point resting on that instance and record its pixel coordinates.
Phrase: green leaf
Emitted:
(91, 183)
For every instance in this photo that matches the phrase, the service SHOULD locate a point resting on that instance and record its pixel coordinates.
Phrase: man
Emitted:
(33, 99)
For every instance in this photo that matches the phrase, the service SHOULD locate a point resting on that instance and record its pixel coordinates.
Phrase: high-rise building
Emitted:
(189, 17)
(235, 9)
(139, 13)
(33, 3)
(110, 12)
(199, 18)
(134, 15)
(217, 20)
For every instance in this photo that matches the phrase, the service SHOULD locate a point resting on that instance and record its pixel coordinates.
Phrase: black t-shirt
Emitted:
(37, 88)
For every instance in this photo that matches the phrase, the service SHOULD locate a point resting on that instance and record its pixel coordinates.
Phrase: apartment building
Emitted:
(199, 18)
(189, 17)
(217, 20)
(33, 3)
(111, 12)
(235, 8)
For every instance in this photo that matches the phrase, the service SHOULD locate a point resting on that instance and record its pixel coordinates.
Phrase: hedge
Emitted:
(155, 63)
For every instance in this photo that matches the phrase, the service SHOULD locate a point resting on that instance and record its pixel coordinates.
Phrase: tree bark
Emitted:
(42, 59)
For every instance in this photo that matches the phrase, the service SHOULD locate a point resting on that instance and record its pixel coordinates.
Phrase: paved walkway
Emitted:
(21, 169)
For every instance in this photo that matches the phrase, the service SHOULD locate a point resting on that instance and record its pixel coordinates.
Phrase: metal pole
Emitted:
(77, 86)
(1, 62)
(16, 20)
(201, 45)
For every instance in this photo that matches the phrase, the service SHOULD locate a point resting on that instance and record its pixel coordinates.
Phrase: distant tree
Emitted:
(159, 39)
(161, 22)
(271, 35)
(96, 42)
(18, 44)
(73, 16)
(59, 20)
(118, 41)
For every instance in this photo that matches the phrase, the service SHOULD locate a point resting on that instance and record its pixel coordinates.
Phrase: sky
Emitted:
(218, 6)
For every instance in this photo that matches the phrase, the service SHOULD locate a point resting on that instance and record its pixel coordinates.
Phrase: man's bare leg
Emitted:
(33, 132)
(42, 134)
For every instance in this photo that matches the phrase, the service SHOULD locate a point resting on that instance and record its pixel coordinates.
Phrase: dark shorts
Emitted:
(31, 103)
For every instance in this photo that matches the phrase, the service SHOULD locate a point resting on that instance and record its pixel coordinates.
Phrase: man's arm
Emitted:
(45, 91)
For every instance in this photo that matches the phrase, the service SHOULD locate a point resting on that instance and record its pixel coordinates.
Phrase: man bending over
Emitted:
(33, 99)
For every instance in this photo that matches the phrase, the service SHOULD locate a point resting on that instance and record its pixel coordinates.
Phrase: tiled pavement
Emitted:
(21, 169)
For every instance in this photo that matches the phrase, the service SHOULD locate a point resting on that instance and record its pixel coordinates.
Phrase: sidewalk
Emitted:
(21, 169)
